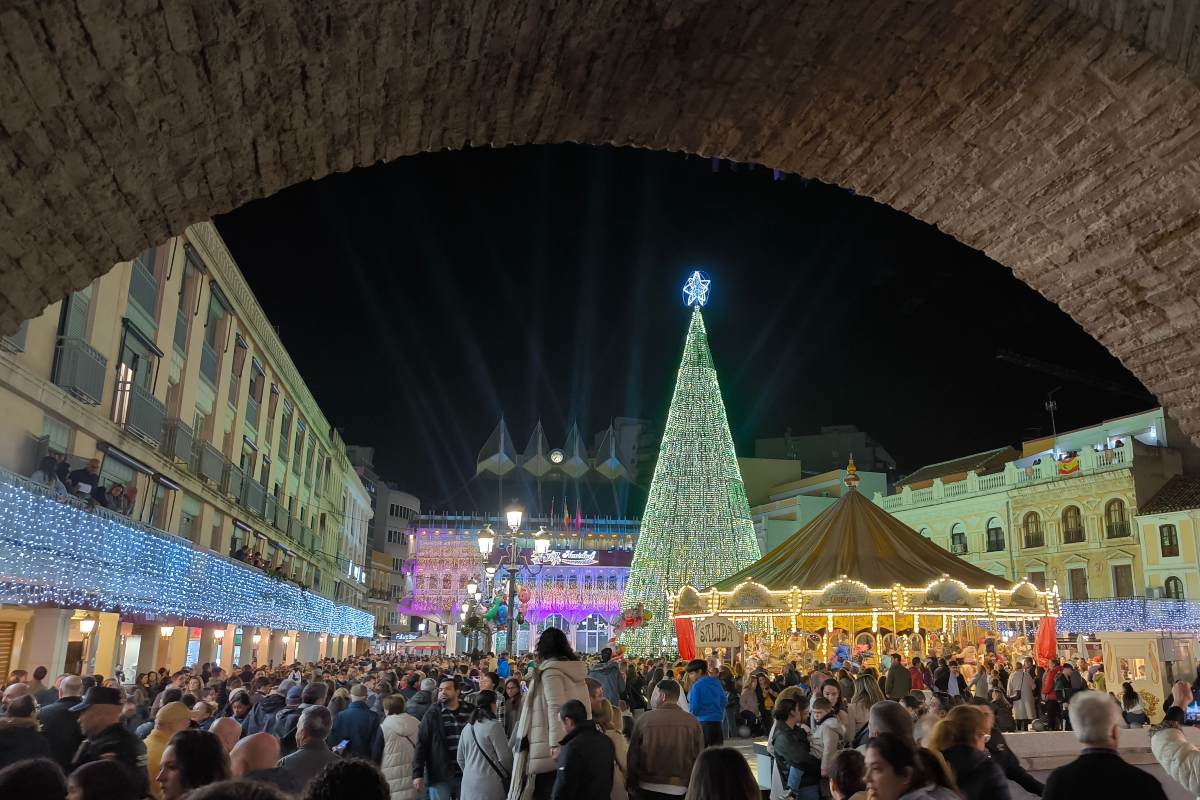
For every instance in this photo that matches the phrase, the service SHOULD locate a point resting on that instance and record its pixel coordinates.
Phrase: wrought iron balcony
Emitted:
(1116, 529)
(139, 411)
(177, 441)
(80, 369)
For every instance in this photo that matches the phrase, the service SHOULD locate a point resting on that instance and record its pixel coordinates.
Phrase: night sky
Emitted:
(421, 299)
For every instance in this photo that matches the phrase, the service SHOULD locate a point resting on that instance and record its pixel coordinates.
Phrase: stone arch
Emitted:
(1060, 138)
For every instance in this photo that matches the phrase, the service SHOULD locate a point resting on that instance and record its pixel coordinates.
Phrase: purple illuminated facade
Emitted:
(577, 584)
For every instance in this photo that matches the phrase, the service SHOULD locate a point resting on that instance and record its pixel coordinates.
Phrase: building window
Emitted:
(1077, 581)
(1168, 540)
(958, 539)
(1038, 579)
(1122, 580)
(1072, 522)
(995, 535)
(1116, 520)
(1173, 588)
(1031, 525)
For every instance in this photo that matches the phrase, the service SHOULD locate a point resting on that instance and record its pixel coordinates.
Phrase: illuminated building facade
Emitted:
(168, 373)
(576, 586)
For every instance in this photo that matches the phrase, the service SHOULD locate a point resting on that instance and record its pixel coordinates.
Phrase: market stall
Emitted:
(856, 583)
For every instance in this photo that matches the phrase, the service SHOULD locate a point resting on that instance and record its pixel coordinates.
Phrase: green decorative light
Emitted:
(697, 527)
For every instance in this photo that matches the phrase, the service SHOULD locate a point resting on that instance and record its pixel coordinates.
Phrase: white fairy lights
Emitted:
(56, 553)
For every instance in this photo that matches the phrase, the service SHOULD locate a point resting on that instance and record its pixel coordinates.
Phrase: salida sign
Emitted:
(717, 631)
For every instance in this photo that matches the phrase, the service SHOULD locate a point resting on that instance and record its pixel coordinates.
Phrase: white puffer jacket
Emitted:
(399, 742)
(560, 681)
(1179, 757)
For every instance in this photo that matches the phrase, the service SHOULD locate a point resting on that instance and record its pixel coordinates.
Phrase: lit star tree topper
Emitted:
(697, 527)
(695, 291)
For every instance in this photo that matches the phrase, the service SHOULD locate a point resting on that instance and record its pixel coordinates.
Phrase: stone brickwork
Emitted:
(1061, 138)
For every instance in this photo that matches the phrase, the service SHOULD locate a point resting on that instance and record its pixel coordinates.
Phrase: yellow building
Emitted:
(1059, 511)
(1169, 529)
(167, 372)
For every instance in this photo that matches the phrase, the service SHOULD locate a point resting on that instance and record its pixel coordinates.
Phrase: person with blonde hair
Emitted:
(609, 721)
(961, 737)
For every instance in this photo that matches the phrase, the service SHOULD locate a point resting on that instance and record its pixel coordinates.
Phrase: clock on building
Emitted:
(556, 456)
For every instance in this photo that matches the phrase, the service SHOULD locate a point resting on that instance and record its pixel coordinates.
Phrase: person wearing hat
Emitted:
(357, 723)
(170, 720)
(106, 737)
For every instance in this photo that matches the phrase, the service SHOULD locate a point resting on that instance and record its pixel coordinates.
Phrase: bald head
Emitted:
(258, 751)
(228, 731)
(71, 686)
(16, 690)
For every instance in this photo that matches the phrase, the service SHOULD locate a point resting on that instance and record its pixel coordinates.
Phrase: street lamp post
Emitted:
(514, 515)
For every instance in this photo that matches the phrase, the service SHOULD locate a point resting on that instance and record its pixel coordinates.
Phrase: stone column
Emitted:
(452, 639)
(227, 645)
(147, 660)
(177, 645)
(105, 641)
(275, 653)
(262, 651)
(308, 648)
(44, 643)
(208, 647)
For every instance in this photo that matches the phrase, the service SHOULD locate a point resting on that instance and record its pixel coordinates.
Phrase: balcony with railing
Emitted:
(231, 480)
(1089, 462)
(253, 495)
(16, 342)
(66, 553)
(207, 461)
(80, 370)
(269, 507)
(1116, 528)
(177, 439)
(136, 409)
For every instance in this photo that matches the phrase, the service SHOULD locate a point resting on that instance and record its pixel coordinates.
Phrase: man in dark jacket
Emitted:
(358, 723)
(898, 681)
(262, 716)
(19, 735)
(99, 719)
(586, 757)
(422, 700)
(289, 717)
(1099, 771)
(60, 725)
(435, 759)
(1005, 758)
(1068, 683)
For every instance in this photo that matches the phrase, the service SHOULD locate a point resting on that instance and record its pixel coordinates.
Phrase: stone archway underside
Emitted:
(1061, 138)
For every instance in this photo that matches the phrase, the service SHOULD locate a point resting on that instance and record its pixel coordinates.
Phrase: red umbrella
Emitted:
(1045, 646)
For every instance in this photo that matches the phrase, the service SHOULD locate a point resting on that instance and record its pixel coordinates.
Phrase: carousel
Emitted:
(855, 584)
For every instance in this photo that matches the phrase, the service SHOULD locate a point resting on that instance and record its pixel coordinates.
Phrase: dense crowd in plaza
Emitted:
(555, 725)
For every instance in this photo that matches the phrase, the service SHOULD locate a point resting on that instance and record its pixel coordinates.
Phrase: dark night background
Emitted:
(422, 298)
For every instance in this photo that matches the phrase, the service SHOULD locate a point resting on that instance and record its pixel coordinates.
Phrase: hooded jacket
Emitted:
(419, 704)
(20, 739)
(262, 716)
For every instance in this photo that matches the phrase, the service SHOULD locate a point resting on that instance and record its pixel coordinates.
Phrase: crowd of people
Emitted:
(558, 726)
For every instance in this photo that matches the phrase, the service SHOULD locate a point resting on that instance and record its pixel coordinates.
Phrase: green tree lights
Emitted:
(697, 527)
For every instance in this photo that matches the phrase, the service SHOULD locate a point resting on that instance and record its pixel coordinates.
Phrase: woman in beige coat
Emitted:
(559, 677)
(608, 718)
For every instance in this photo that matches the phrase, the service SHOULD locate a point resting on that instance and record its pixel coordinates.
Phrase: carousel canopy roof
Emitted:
(858, 539)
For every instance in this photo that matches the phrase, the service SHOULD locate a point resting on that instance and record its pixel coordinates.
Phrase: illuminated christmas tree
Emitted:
(697, 527)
